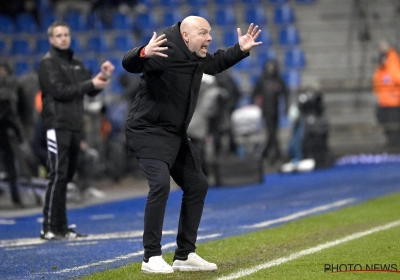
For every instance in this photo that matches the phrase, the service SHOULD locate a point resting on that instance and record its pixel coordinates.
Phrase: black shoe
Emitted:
(49, 235)
(72, 234)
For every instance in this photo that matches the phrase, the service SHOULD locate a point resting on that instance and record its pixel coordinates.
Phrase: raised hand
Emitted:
(248, 40)
(153, 47)
(107, 69)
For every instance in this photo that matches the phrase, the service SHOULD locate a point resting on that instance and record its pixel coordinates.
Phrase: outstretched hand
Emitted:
(248, 40)
(153, 47)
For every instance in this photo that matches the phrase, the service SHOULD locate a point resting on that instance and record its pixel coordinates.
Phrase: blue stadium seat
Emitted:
(21, 67)
(116, 86)
(201, 12)
(197, 3)
(289, 36)
(225, 2)
(252, 2)
(305, 1)
(21, 47)
(245, 64)
(117, 62)
(97, 43)
(225, 17)
(46, 20)
(230, 38)
(147, 22)
(25, 23)
(92, 64)
(42, 46)
(170, 3)
(3, 48)
(171, 17)
(6, 25)
(265, 37)
(292, 79)
(123, 43)
(94, 22)
(76, 21)
(76, 45)
(255, 15)
(284, 14)
(295, 58)
(278, 2)
(122, 21)
(264, 56)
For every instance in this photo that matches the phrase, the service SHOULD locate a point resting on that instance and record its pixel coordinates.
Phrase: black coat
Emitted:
(160, 114)
(64, 81)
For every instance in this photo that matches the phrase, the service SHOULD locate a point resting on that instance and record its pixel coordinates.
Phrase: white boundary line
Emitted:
(245, 272)
(304, 213)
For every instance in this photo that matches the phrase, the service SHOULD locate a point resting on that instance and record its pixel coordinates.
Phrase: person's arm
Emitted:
(135, 59)
(53, 81)
(223, 59)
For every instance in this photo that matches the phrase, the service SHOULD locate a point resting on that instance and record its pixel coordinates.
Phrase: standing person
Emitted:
(64, 81)
(9, 120)
(156, 130)
(268, 91)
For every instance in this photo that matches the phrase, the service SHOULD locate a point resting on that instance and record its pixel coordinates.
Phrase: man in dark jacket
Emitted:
(9, 121)
(64, 81)
(268, 91)
(156, 130)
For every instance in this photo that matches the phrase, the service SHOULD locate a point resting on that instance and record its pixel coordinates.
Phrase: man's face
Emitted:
(198, 38)
(60, 38)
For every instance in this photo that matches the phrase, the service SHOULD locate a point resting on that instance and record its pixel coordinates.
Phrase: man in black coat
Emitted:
(64, 82)
(173, 65)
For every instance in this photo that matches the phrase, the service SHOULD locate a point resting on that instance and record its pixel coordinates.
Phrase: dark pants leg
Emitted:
(9, 163)
(158, 177)
(194, 185)
(272, 149)
(63, 151)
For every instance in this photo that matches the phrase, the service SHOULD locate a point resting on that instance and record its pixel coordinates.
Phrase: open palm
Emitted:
(248, 40)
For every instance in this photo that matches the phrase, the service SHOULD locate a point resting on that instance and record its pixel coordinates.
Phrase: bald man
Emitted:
(156, 130)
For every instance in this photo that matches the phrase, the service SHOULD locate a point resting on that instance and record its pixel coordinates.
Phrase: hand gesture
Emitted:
(247, 41)
(107, 69)
(153, 47)
(99, 82)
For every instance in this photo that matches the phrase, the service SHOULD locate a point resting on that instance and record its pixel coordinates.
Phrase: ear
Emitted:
(185, 36)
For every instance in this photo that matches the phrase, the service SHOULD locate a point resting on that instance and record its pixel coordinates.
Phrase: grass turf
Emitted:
(249, 250)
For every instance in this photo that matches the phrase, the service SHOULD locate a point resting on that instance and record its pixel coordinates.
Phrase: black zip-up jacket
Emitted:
(64, 81)
(162, 109)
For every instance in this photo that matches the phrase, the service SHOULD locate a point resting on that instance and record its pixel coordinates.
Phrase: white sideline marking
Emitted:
(166, 246)
(91, 237)
(309, 251)
(7, 222)
(102, 217)
(302, 213)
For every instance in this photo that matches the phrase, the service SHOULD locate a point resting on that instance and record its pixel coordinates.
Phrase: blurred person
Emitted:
(267, 93)
(386, 87)
(173, 65)
(308, 145)
(10, 122)
(62, 7)
(64, 82)
(207, 107)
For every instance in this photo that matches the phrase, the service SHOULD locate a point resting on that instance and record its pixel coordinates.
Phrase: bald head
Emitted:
(195, 33)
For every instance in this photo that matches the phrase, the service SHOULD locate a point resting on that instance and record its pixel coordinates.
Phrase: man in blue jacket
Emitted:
(156, 130)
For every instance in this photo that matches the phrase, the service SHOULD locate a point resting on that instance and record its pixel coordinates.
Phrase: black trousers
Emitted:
(9, 160)
(63, 151)
(194, 185)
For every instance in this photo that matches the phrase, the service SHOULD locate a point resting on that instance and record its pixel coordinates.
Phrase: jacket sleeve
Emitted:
(224, 59)
(52, 81)
(134, 64)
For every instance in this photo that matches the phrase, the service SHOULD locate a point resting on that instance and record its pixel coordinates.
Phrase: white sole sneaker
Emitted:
(194, 263)
(157, 265)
